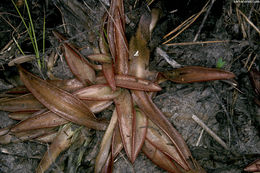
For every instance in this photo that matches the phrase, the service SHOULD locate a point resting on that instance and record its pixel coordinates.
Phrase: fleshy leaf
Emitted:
(61, 142)
(191, 74)
(108, 71)
(139, 132)
(25, 102)
(49, 119)
(117, 144)
(79, 66)
(126, 116)
(131, 82)
(60, 102)
(97, 92)
(105, 145)
(162, 142)
(154, 114)
(159, 158)
(121, 45)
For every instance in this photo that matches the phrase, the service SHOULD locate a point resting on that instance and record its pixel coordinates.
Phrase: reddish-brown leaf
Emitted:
(25, 102)
(108, 71)
(60, 102)
(162, 142)
(191, 74)
(20, 115)
(121, 46)
(38, 121)
(140, 123)
(117, 144)
(49, 119)
(159, 158)
(105, 146)
(102, 58)
(131, 82)
(255, 78)
(97, 92)
(61, 142)
(253, 167)
(126, 115)
(154, 114)
(79, 66)
(139, 52)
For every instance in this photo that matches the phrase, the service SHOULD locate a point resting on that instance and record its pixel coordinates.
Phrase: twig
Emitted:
(193, 20)
(199, 139)
(252, 62)
(249, 21)
(210, 132)
(204, 20)
(227, 114)
(170, 61)
(198, 42)
(247, 60)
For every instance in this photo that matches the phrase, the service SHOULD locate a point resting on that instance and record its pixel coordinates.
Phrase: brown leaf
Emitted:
(79, 66)
(38, 121)
(117, 144)
(121, 46)
(49, 119)
(154, 114)
(159, 158)
(102, 58)
(126, 115)
(97, 92)
(25, 102)
(191, 74)
(61, 142)
(139, 52)
(60, 102)
(162, 142)
(28, 135)
(139, 132)
(253, 167)
(105, 146)
(108, 71)
(255, 78)
(131, 82)
(47, 138)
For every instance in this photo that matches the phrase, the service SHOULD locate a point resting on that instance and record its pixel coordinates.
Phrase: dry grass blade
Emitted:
(186, 24)
(60, 102)
(197, 42)
(251, 23)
